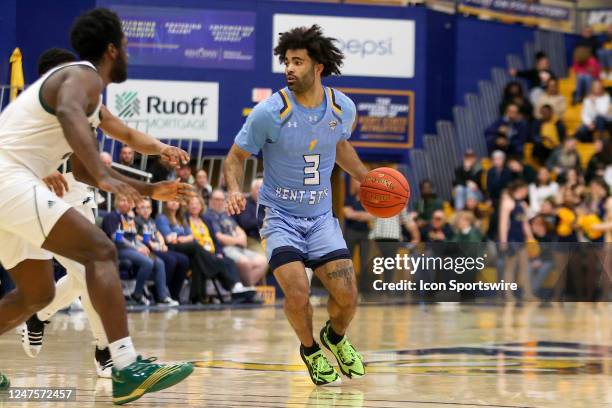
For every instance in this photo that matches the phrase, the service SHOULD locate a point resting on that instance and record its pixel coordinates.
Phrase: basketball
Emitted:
(384, 192)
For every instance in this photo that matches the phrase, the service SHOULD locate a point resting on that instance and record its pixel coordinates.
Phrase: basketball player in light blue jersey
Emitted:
(302, 131)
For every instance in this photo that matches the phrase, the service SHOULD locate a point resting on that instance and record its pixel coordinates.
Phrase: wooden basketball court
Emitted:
(445, 355)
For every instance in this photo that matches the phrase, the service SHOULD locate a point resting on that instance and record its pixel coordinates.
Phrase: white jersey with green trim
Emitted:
(30, 133)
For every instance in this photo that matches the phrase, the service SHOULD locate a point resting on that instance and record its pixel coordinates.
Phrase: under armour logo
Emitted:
(291, 124)
(50, 203)
(312, 118)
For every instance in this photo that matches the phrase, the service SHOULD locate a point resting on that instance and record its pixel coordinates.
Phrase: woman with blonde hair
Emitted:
(174, 227)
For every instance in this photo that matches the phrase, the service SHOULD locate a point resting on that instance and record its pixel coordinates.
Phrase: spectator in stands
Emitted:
(248, 220)
(573, 182)
(176, 263)
(548, 210)
(120, 226)
(537, 76)
(390, 229)
(185, 174)
(596, 113)
(467, 179)
(106, 158)
(570, 197)
(592, 210)
(600, 160)
(356, 218)
(498, 176)
(465, 230)
(126, 157)
(547, 132)
(509, 133)
(564, 158)
(542, 189)
(513, 93)
(541, 260)
(233, 241)
(437, 230)
(173, 225)
(588, 40)
(428, 203)
(520, 170)
(605, 54)
(552, 98)
(587, 69)
(481, 212)
(202, 186)
(514, 231)
(161, 170)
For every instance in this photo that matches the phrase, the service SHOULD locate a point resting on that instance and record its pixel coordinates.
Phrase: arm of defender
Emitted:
(162, 191)
(139, 141)
(347, 158)
(233, 169)
(79, 92)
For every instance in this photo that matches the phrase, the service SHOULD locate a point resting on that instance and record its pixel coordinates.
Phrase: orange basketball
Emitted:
(384, 192)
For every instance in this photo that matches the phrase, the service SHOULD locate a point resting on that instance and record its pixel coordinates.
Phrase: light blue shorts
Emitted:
(313, 240)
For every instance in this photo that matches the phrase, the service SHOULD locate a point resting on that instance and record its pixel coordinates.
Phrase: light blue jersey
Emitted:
(299, 149)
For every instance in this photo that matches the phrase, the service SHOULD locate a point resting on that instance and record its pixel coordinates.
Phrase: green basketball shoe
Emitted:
(349, 360)
(4, 382)
(321, 372)
(144, 376)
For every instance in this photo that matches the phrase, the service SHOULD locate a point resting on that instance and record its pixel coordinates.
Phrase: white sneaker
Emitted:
(168, 301)
(32, 336)
(240, 288)
(104, 363)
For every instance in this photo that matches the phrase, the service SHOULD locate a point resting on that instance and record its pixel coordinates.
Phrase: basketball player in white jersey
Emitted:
(49, 121)
(81, 197)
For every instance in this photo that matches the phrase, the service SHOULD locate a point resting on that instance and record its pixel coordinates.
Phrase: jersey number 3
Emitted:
(311, 171)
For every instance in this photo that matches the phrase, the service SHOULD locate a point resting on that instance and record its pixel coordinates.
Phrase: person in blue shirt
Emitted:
(302, 131)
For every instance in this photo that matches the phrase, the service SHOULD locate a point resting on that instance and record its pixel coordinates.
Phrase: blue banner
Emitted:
(189, 37)
(385, 118)
(517, 9)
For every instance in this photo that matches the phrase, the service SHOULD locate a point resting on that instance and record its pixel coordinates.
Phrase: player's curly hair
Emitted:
(54, 57)
(93, 31)
(320, 48)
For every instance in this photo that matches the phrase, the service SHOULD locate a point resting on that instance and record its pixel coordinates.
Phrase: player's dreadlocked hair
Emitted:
(93, 31)
(320, 48)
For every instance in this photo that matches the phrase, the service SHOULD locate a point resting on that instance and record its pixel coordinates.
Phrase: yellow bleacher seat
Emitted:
(585, 151)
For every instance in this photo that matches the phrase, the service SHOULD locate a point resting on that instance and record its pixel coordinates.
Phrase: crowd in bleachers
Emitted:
(543, 181)
(190, 252)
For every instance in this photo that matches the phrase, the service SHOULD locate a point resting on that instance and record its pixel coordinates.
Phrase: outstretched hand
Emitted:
(119, 187)
(235, 203)
(172, 190)
(174, 156)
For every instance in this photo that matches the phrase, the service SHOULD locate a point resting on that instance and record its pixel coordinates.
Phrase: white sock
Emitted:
(123, 353)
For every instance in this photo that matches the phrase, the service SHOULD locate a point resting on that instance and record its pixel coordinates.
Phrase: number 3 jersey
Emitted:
(299, 149)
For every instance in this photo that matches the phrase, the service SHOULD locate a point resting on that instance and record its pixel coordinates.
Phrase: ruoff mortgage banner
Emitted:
(168, 109)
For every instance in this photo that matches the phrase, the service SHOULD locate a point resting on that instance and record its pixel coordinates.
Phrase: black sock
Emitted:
(312, 349)
(333, 336)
